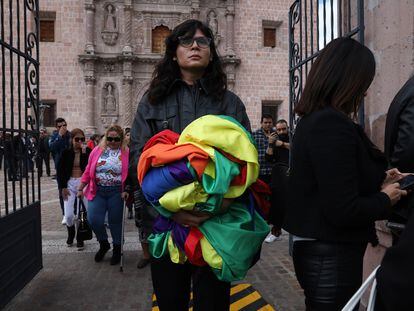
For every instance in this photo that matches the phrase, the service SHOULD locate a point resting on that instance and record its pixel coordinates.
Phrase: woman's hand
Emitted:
(394, 192)
(393, 175)
(65, 194)
(190, 219)
(124, 195)
(79, 194)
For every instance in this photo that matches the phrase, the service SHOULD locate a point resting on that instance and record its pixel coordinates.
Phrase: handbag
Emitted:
(84, 231)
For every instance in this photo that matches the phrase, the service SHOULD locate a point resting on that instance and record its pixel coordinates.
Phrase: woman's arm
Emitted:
(332, 145)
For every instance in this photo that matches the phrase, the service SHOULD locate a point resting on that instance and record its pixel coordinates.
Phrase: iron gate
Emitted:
(20, 231)
(312, 25)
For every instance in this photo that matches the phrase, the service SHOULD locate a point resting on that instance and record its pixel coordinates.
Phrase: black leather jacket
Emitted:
(399, 129)
(182, 105)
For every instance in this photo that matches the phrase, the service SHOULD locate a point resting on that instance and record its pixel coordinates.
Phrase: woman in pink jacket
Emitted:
(103, 184)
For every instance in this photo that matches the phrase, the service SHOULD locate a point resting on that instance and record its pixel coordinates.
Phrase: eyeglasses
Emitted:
(281, 129)
(78, 139)
(187, 42)
(115, 139)
(59, 126)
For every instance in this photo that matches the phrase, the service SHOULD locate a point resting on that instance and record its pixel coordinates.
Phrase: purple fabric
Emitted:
(180, 172)
(179, 233)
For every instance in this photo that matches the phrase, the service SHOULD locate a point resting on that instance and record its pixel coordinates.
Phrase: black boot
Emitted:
(79, 245)
(130, 213)
(71, 235)
(103, 248)
(116, 255)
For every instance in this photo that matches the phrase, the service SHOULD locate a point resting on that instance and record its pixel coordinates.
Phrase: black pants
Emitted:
(329, 273)
(172, 286)
(43, 157)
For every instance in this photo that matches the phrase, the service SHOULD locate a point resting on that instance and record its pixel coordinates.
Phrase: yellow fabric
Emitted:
(175, 254)
(208, 130)
(184, 197)
(211, 257)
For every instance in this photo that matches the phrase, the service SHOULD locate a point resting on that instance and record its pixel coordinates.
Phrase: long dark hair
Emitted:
(339, 78)
(167, 70)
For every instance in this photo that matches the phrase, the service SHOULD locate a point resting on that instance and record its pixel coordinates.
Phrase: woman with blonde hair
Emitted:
(103, 184)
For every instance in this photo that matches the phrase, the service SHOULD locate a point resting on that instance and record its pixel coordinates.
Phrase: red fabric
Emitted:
(192, 247)
(261, 193)
(90, 144)
(165, 137)
(241, 178)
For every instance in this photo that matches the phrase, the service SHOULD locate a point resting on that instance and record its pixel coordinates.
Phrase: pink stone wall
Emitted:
(389, 33)
(263, 72)
(61, 75)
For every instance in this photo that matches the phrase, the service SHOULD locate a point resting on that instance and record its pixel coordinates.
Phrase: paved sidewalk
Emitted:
(71, 280)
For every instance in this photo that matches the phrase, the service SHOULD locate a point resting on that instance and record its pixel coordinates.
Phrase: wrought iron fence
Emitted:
(312, 25)
(19, 93)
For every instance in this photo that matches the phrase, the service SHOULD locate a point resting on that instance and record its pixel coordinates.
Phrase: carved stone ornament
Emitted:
(212, 22)
(110, 25)
(184, 2)
(110, 107)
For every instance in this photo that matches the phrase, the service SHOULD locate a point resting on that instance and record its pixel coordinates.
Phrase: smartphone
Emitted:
(407, 183)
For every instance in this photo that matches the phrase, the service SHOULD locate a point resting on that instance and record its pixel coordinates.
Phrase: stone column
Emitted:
(127, 82)
(127, 49)
(90, 111)
(230, 28)
(90, 105)
(90, 27)
(195, 9)
(147, 33)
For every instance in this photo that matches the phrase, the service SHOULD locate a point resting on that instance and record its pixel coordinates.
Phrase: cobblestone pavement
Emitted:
(71, 280)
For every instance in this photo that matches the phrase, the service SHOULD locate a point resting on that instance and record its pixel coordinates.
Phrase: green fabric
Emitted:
(235, 236)
(158, 244)
(225, 171)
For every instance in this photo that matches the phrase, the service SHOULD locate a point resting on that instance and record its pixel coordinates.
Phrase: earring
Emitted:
(174, 58)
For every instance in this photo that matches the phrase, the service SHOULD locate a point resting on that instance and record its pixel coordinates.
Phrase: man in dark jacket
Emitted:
(396, 274)
(399, 143)
(43, 153)
(58, 142)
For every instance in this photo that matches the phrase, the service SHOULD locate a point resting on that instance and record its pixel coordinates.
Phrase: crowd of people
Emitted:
(327, 182)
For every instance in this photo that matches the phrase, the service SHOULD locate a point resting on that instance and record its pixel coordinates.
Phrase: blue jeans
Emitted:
(107, 199)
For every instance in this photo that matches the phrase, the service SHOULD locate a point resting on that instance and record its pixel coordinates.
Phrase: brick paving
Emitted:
(71, 280)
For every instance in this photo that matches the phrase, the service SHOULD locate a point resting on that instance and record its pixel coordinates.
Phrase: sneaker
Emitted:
(271, 238)
(64, 220)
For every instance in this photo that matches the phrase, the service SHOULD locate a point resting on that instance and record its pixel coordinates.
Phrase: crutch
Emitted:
(121, 263)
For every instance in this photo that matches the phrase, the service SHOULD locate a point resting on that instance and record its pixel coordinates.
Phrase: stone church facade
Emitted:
(101, 58)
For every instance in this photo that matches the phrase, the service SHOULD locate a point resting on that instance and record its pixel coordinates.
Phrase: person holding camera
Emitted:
(338, 183)
(277, 153)
(72, 164)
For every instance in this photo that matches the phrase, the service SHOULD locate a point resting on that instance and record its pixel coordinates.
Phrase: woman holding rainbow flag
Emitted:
(196, 164)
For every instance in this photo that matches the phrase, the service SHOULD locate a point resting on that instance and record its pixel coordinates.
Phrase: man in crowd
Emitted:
(277, 154)
(43, 152)
(261, 136)
(59, 141)
(399, 145)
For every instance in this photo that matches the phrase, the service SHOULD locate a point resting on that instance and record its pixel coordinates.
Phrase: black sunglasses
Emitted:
(59, 126)
(187, 42)
(78, 139)
(115, 139)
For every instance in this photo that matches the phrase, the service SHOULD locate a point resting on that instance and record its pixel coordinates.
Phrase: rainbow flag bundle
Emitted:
(213, 159)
